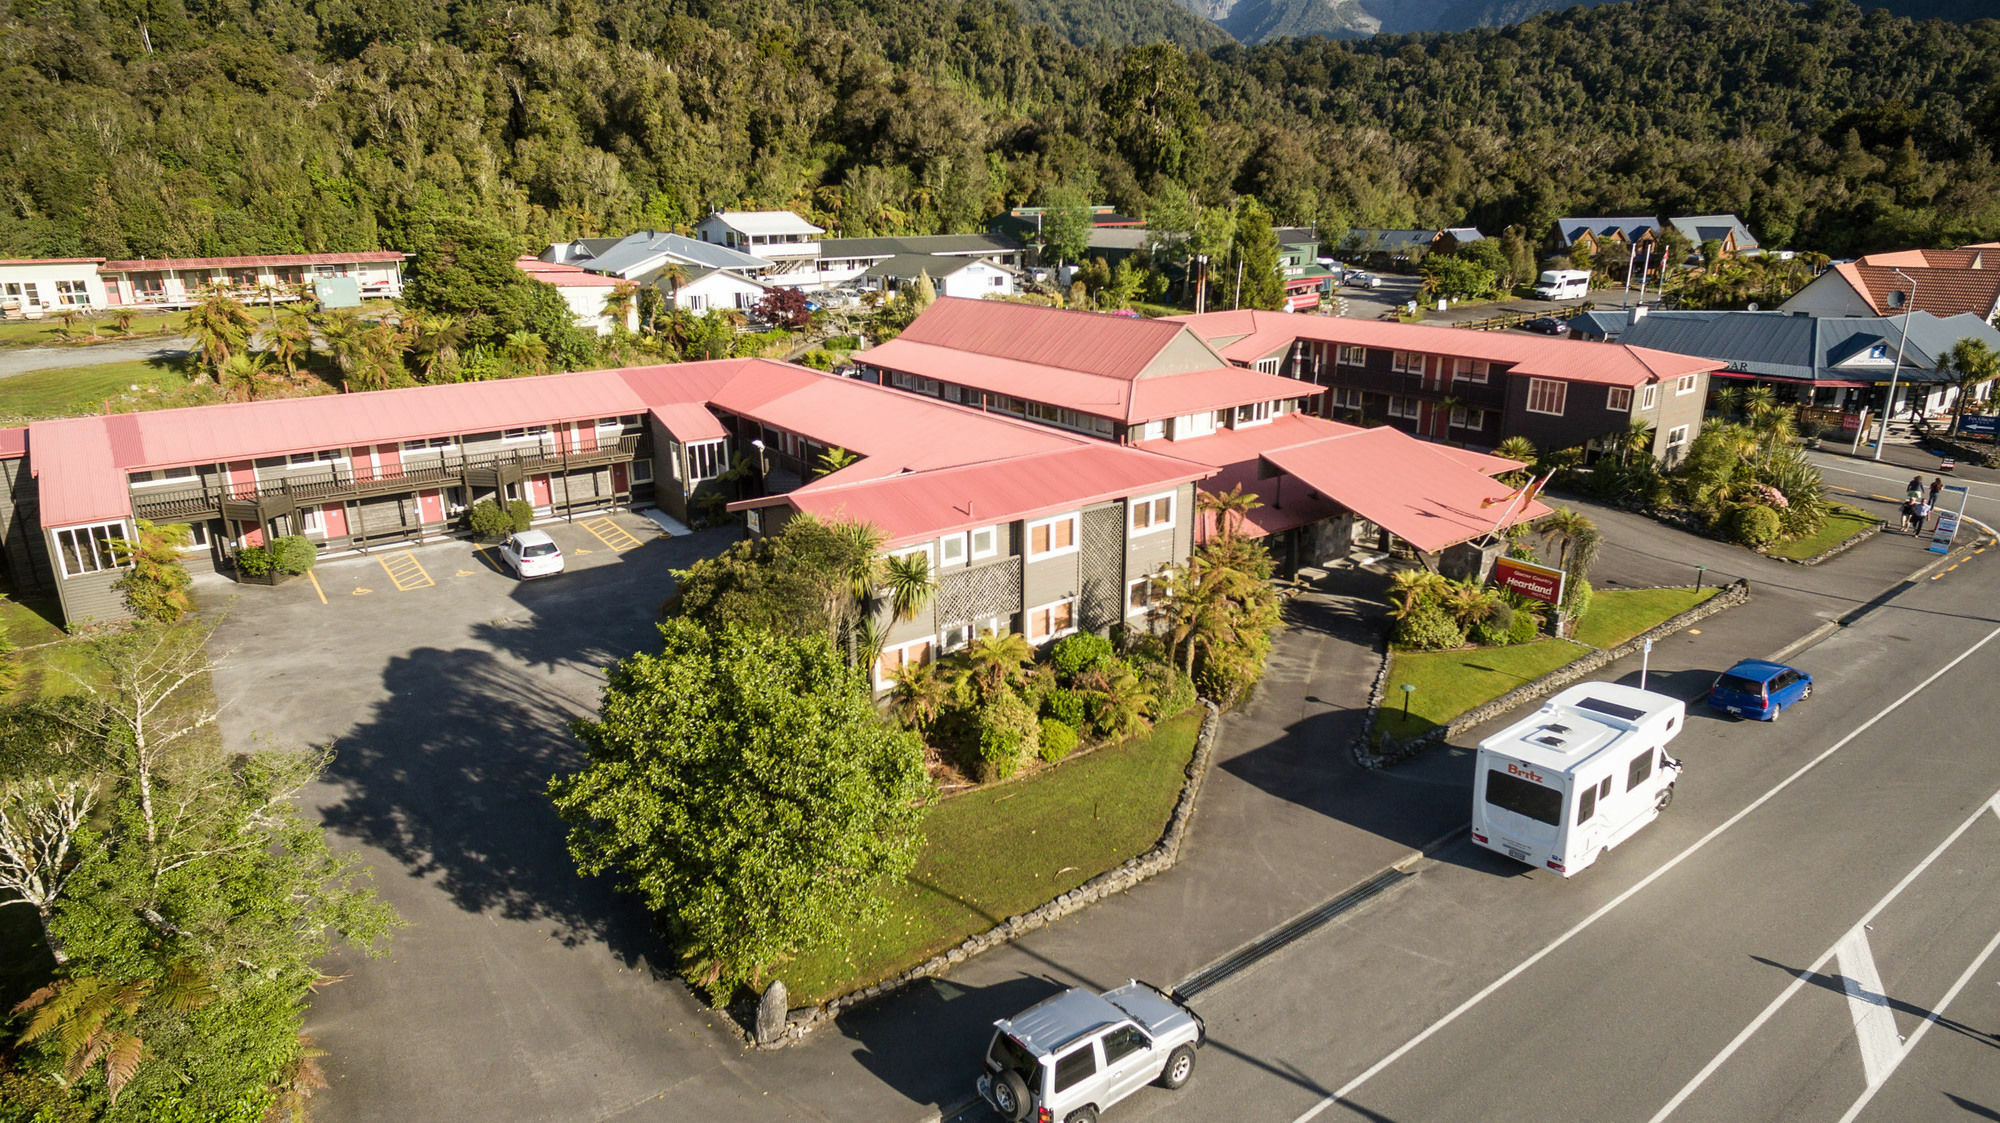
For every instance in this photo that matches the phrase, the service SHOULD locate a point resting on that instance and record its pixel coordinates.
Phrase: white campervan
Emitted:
(1580, 776)
(1563, 284)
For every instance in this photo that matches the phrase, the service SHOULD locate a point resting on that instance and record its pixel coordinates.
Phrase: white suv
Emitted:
(1069, 1057)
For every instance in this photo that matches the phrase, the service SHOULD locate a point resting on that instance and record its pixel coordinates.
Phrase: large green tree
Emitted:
(744, 785)
(1263, 284)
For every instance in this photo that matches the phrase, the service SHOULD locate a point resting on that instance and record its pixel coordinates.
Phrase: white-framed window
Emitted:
(954, 637)
(87, 549)
(1050, 538)
(991, 624)
(1153, 430)
(526, 433)
(1472, 370)
(951, 549)
(1462, 418)
(707, 459)
(1142, 593)
(1651, 397)
(924, 548)
(1256, 413)
(312, 521)
(1052, 621)
(1193, 425)
(1353, 355)
(1677, 436)
(1151, 513)
(642, 470)
(1269, 366)
(1347, 398)
(197, 538)
(1406, 362)
(894, 659)
(985, 542)
(159, 476)
(1405, 407)
(73, 294)
(1546, 395)
(1618, 399)
(323, 456)
(429, 444)
(1686, 384)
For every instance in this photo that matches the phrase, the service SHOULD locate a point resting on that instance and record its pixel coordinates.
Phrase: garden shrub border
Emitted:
(1365, 755)
(1835, 550)
(797, 1025)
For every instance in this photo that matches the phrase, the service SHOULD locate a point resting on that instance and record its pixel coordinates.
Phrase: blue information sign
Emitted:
(1978, 424)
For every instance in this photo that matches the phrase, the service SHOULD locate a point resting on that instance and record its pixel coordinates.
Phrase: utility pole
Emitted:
(1236, 301)
(1889, 406)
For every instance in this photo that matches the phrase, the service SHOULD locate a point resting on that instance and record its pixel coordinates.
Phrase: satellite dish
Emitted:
(1753, 306)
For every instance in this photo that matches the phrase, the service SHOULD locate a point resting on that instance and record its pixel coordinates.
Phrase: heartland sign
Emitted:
(1530, 579)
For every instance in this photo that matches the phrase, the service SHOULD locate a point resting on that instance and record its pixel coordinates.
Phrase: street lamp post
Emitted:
(1889, 406)
(1699, 571)
(1409, 688)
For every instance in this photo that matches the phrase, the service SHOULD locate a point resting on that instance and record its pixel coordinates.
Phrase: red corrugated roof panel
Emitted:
(77, 476)
(144, 264)
(1090, 342)
(13, 443)
(49, 260)
(689, 421)
(1416, 491)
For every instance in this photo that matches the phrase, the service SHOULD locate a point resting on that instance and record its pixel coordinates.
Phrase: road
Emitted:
(91, 355)
(1807, 933)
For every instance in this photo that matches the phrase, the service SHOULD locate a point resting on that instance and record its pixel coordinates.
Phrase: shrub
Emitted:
(1576, 597)
(1495, 629)
(521, 513)
(1172, 690)
(1525, 627)
(1428, 627)
(1072, 655)
(1006, 732)
(1064, 705)
(254, 561)
(1058, 738)
(156, 586)
(1754, 525)
(293, 554)
(818, 359)
(489, 521)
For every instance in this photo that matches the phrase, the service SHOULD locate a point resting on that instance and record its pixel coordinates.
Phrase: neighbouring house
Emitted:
(31, 287)
(844, 260)
(1726, 230)
(1837, 364)
(788, 242)
(586, 294)
(708, 290)
(1475, 388)
(655, 258)
(973, 278)
(1307, 282)
(1941, 282)
(1600, 236)
(1384, 248)
(1024, 224)
(1158, 385)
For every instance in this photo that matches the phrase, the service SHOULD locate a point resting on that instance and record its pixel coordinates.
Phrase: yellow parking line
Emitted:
(607, 531)
(316, 588)
(408, 573)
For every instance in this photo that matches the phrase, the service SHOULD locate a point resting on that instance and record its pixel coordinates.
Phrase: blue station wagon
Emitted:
(1759, 689)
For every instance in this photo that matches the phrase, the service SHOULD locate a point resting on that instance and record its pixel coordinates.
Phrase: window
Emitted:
(707, 459)
(1256, 413)
(1530, 800)
(1052, 621)
(1123, 1042)
(1405, 407)
(1269, 366)
(87, 549)
(642, 471)
(1586, 805)
(985, 542)
(1151, 513)
(1405, 362)
(1619, 399)
(149, 284)
(1462, 417)
(908, 552)
(74, 294)
(1546, 395)
(528, 433)
(243, 278)
(894, 659)
(1075, 1066)
(1472, 370)
(313, 522)
(323, 456)
(428, 445)
(1193, 425)
(1686, 384)
(951, 549)
(991, 625)
(1052, 537)
(1677, 436)
(1152, 430)
(1652, 396)
(164, 476)
(954, 636)
(1604, 789)
(1141, 594)
(1641, 768)
(1353, 356)
(1347, 399)
(197, 538)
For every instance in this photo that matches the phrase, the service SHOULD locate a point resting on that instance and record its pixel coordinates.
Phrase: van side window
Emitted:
(1586, 806)
(1075, 1066)
(1604, 789)
(1642, 767)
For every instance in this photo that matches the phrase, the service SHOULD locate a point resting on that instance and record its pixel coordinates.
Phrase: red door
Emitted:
(583, 437)
(243, 480)
(538, 492)
(430, 506)
(388, 461)
(619, 485)
(333, 516)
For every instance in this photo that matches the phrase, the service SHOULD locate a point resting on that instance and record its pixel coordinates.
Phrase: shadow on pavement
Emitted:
(1840, 984)
(929, 1042)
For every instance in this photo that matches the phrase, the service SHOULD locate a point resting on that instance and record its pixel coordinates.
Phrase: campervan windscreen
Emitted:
(1511, 793)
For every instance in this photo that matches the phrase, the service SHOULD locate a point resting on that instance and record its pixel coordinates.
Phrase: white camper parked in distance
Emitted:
(1563, 284)
(1577, 778)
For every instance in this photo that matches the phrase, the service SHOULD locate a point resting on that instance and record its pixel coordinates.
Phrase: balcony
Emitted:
(339, 484)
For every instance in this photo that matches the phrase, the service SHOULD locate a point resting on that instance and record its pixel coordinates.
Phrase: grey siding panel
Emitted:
(91, 599)
(1043, 582)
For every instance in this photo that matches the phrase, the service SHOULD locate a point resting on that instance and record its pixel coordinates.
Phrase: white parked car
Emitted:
(1067, 1058)
(532, 553)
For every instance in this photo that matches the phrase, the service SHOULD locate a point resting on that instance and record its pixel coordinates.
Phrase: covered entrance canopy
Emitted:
(1431, 496)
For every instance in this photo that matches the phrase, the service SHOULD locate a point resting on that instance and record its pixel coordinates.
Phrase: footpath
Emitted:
(1288, 822)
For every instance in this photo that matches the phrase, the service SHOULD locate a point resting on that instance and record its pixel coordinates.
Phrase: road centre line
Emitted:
(1605, 910)
(1803, 977)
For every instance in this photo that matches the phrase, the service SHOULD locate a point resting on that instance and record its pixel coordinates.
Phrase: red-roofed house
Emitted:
(1475, 388)
(585, 293)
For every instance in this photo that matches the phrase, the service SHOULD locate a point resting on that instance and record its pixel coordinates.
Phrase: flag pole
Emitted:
(1526, 494)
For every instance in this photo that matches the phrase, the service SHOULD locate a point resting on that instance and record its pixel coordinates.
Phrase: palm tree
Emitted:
(1516, 448)
(1229, 508)
(291, 340)
(244, 370)
(93, 1019)
(919, 696)
(121, 321)
(1975, 364)
(1564, 529)
(1118, 700)
(526, 349)
(1759, 402)
(221, 326)
(1726, 400)
(1471, 603)
(434, 340)
(994, 662)
(618, 305)
(1637, 441)
(907, 581)
(1411, 587)
(345, 333)
(834, 459)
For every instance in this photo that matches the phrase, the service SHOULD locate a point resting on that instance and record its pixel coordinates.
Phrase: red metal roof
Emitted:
(1223, 388)
(49, 260)
(1088, 342)
(565, 276)
(1245, 336)
(1243, 446)
(689, 421)
(78, 479)
(1418, 493)
(145, 264)
(13, 443)
(918, 506)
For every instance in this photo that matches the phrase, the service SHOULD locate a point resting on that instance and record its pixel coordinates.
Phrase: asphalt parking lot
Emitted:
(518, 990)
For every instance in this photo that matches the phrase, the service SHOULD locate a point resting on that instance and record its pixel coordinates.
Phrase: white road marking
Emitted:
(1583, 925)
(1874, 1022)
(1806, 975)
(1965, 977)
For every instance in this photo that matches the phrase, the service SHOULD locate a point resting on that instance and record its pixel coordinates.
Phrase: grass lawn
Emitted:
(1619, 614)
(75, 391)
(992, 853)
(1451, 682)
(1841, 522)
(46, 332)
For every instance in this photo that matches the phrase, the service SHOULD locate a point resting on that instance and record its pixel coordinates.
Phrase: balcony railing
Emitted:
(339, 483)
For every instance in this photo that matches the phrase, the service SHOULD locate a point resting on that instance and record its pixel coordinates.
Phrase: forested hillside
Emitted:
(1124, 23)
(173, 127)
(1260, 21)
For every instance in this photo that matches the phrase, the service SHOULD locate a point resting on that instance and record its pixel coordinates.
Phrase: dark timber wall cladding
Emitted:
(27, 550)
(1102, 602)
(993, 588)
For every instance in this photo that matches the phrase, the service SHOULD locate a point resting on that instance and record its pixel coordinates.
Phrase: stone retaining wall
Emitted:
(1363, 746)
(800, 1023)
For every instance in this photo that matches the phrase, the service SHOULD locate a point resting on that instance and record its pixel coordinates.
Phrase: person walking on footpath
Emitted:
(1923, 513)
(1915, 489)
(1909, 514)
(1937, 485)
